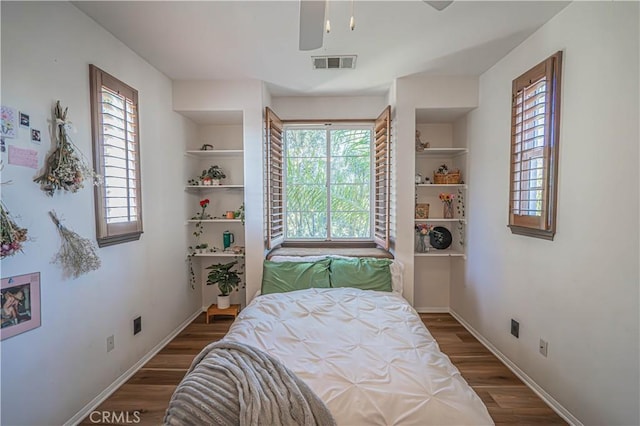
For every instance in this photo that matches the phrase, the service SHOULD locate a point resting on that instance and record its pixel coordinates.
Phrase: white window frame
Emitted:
(328, 127)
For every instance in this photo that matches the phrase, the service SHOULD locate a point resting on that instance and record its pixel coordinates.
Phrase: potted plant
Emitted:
(212, 176)
(226, 279)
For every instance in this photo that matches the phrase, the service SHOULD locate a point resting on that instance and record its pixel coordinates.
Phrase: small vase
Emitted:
(422, 244)
(447, 212)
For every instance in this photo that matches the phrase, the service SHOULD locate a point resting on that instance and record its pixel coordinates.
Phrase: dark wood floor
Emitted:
(509, 401)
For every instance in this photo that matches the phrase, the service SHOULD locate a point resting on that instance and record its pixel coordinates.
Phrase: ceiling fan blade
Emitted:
(438, 5)
(311, 24)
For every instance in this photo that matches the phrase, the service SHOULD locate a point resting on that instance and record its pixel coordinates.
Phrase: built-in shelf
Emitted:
(215, 220)
(219, 254)
(441, 253)
(216, 153)
(211, 187)
(442, 152)
(440, 219)
(442, 185)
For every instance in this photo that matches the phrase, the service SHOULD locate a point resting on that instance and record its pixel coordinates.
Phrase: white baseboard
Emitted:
(84, 412)
(555, 405)
(432, 310)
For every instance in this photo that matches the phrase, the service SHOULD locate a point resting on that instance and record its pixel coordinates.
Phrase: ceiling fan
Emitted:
(312, 21)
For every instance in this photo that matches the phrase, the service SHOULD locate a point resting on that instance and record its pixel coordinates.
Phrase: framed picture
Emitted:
(20, 301)
(422, 211)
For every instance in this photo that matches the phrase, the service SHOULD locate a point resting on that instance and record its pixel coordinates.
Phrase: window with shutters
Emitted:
(116, 152)
(534, 150)
(328, 182)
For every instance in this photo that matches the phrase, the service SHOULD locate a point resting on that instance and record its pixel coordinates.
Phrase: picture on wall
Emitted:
(20, 302)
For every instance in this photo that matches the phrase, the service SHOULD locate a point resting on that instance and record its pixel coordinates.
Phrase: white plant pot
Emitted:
(215, 182)
(224, 302)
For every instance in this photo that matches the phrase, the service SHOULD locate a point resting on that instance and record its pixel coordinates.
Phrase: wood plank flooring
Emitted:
(508, 400)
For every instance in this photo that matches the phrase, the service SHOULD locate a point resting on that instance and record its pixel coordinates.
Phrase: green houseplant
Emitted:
(227, 280)
(212, 175)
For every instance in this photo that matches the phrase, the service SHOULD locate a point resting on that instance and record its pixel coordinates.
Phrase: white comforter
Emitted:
(366, 354)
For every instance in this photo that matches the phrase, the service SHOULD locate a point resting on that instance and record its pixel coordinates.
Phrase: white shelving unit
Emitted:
(221, 220)
(224, 131)
(219, 254)
(428, 160)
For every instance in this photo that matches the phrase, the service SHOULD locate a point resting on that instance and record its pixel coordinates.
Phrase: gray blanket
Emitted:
(234, 384)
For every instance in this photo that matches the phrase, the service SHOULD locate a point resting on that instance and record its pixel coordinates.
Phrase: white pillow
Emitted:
(396, 268)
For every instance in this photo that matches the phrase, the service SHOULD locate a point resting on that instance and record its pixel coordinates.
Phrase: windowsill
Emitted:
(323, 249)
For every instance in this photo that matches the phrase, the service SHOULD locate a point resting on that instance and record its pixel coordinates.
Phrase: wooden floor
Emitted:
(148, 392)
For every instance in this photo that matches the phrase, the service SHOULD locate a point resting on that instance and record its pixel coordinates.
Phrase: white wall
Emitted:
(437, 92)
(50, 373)
(246, 96)
(579, 292)
(328, 107)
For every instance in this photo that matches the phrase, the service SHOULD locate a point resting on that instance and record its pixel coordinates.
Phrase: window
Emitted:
(116, 156)
(534, 150)
(327, 182)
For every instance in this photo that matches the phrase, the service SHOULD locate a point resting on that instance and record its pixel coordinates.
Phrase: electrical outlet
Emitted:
(111, 343)
(137, 325)
(515, 328)
(544, 346)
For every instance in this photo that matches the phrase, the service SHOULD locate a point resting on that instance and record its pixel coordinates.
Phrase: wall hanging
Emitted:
(77, 255)
(66, 167)
(13, 236)
(20, 301)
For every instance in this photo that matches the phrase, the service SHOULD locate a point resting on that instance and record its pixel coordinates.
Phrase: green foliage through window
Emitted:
(328, 183)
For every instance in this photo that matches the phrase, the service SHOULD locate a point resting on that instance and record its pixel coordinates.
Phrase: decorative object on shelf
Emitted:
(422, 211)
(444, 176)
(230, 214)
(427, 180)
(447, 204)
(213, 175)
(20, 302)
(237, 249)
(66, 167)
(227, 239)
(422, 232)
(440, 238)
(13, 236)
(202, 248)
(206, 147)
(200, 217)
(418, 178)
(420, 146)
(226, 279)
(77, 255)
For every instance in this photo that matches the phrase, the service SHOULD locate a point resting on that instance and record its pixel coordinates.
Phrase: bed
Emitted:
(365, 353)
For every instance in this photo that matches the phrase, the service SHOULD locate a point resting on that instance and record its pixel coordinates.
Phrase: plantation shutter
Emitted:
(534, 149)
(117, 158)
(274, 170)
(382, 170)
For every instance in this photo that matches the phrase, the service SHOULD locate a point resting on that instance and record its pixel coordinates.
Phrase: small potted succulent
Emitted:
(227, 280)
(212, 176)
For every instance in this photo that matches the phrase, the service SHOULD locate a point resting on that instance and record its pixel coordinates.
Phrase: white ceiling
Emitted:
(203, 40)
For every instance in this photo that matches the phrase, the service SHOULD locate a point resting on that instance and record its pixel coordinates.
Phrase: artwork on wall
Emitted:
(8, 122)
(35, 136)
(20, 301)
(24, 120)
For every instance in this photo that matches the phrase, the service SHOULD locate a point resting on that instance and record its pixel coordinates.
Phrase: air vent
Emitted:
(334, 62)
